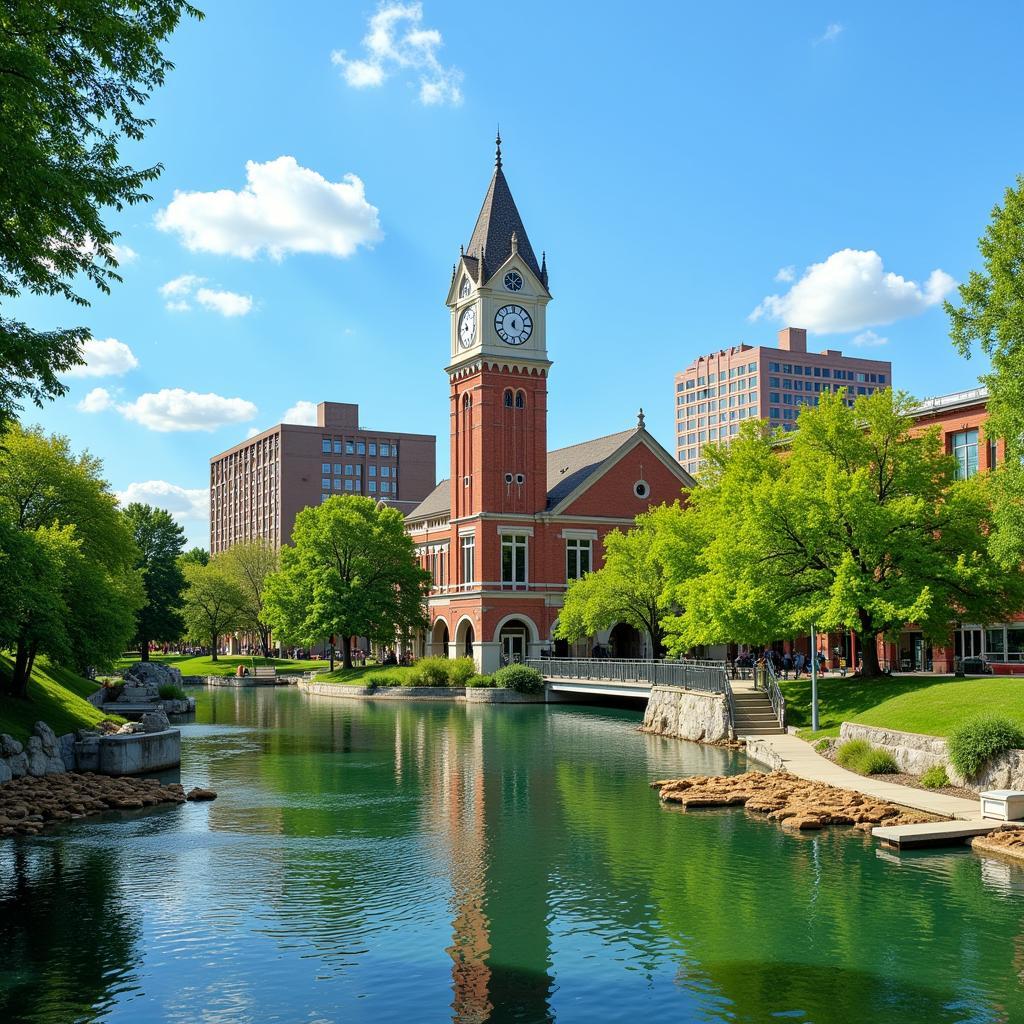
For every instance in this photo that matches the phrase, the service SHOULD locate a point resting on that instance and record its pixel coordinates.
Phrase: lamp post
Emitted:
(814, 679)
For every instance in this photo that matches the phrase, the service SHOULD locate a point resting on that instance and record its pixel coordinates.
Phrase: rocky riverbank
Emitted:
(29, 804)
(793, 802)
(1007, 841)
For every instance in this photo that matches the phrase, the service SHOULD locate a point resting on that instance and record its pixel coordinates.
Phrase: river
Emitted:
(376, 861)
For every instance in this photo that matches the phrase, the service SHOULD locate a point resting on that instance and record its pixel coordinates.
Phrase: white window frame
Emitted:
(516, 541)
(575, 546)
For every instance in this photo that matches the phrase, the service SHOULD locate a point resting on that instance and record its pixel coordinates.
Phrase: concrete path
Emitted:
(790, 753)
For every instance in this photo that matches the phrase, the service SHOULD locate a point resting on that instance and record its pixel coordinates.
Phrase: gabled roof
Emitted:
(569, 467)
(498, 218)
(437, 503)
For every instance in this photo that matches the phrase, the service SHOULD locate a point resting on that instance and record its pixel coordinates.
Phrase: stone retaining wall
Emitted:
(764, 753)
(915, 753)
(467, 694)
(502, 695)
(688, 715)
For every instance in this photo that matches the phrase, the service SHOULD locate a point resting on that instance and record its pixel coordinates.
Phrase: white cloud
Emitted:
(124, 254)
(177, 306)
(225, 303)
(172, 409)
(868, 339)
(179, 286)
(786, 274)
(849, 291)
(831, 33)
(184, 503)
(252, 432)
(395, 41)
(283, 208)
(301, 412)
(105, 357)
(97, 400)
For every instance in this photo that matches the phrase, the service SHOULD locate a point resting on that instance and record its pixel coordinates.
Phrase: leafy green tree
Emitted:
(351, 571)
(160, 541)
(214, 603)
(71, 553)
(630, 586)
(197, 554)
(855, 523)
(72, 76)
(250, 564)
(991, 315)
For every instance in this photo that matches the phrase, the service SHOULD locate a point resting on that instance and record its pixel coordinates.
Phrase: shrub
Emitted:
(460, 671)
(878, 762)
(520, 678)
(171, 691)
(428, 672)
(481, 681)
(851, 753)
(822, 746)
(935, 777)
(975, 742)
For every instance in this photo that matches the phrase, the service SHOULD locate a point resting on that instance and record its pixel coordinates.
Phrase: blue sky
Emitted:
(683, 166)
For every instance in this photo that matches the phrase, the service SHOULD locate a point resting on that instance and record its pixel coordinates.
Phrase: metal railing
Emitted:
(766, 679)
(709, 676)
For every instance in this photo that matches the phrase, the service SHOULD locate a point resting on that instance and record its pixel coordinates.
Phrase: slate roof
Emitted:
(436, 503)
(569, 467)
(494, 226)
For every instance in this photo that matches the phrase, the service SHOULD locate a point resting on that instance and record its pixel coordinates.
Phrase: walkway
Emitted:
(790, 753)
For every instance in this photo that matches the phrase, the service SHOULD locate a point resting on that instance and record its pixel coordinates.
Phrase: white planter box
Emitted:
(1003, 804)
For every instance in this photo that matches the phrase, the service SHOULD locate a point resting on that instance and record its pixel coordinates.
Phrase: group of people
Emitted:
(789, 661)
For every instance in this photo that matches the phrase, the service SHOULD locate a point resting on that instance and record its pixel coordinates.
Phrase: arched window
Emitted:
(467, 400)
(520, 399)
(508, 398)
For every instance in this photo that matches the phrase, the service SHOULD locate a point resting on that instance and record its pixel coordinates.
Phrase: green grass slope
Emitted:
(225, 665)
(56, 696)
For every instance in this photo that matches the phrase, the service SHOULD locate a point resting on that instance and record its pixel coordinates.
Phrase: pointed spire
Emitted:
(497, 149)
(640, 420)
(544, 267)
(453, 271)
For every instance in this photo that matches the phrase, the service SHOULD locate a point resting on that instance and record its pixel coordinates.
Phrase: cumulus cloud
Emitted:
(97, 400)
(786, 274)
(831, 34)
(179, 286)
(186, 504)
(283, 208)
(396, 41)
(225, 303)
(123, 254)
(104, 357)
(850, 291)
(173, 409)
(868, 339)
(301, 412)
(180, 293)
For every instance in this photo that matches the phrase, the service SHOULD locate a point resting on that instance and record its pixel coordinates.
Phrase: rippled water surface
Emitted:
(421, 862)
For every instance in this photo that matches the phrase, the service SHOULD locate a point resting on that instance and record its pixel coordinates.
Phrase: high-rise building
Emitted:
(718, 391)
(259, 486)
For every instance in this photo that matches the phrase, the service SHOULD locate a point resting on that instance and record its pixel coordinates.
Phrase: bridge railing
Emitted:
(709, 676)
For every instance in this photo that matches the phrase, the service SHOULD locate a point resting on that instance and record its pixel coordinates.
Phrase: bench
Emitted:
(265, 672)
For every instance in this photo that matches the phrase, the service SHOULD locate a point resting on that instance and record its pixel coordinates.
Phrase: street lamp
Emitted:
(814, 679)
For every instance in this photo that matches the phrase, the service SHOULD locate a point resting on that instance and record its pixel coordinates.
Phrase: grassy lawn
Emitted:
(394, 674)
(931, 705)
(56, 696)
(225, 665)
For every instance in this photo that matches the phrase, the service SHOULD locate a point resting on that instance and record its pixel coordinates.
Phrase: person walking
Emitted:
(787, 664)
(798, 664)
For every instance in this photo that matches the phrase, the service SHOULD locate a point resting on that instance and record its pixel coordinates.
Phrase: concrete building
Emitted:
(516, 522)
(259, 486)
(718, 391)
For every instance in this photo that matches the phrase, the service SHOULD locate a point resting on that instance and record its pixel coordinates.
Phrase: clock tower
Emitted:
(498, 367)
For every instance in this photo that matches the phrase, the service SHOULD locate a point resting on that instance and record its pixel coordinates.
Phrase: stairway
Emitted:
(754, 713)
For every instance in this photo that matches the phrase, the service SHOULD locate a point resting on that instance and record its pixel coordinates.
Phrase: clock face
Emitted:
(513, 325)
(467, 327)
(464, 288)
(513, 281)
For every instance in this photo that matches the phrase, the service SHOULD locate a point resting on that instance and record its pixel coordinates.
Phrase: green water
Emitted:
(428, 862)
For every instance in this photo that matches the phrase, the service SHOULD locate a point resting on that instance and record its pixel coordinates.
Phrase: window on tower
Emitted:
(513, 560)
(508, 398)
(520, 399)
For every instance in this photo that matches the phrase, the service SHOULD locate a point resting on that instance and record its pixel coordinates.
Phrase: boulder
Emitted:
(67, 750)
(9, 746)
(18, 763)
(151, 673)
(37, 760)
(155, 721)
(5, 772)
(197, 793)
(130, 727)
(47, 738)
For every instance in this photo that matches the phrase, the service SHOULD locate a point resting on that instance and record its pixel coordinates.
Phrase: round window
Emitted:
(513, 281)
(641, 489)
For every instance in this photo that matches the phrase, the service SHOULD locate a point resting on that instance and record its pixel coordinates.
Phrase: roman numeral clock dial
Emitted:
(513, 325)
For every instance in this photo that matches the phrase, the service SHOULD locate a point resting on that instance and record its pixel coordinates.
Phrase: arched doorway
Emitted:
(439, 639)
(624, 641)
(465, 637)
(514, 638)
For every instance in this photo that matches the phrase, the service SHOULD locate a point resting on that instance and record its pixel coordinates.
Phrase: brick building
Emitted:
(515, 522)
(259, 486)
(718, 391)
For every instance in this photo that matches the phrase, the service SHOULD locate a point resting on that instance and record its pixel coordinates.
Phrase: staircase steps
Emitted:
(755, 715)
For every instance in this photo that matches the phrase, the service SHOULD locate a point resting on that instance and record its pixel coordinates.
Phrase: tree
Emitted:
(249, 564)
(198, 555)
(991, 314)
(854, 523)
(629, 587)
(351, 571)
(64, 542)
(213, 603)
(159, 540)
(72, 76)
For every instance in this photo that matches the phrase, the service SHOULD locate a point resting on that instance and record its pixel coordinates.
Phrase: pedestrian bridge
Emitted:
(629, 677)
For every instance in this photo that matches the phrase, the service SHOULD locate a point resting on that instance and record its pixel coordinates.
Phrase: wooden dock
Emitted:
(934, 833)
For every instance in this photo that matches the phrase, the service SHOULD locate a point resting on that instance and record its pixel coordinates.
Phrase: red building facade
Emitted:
(515, 522)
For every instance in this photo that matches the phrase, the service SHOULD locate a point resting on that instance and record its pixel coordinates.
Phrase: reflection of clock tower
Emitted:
(499, 364)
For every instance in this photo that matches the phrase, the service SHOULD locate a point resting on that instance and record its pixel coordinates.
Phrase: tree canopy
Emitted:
(159, 540)
(991, 314)
(72, 77)
(351, 571)
(249, 565)
(214, 603)
(855, 522)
